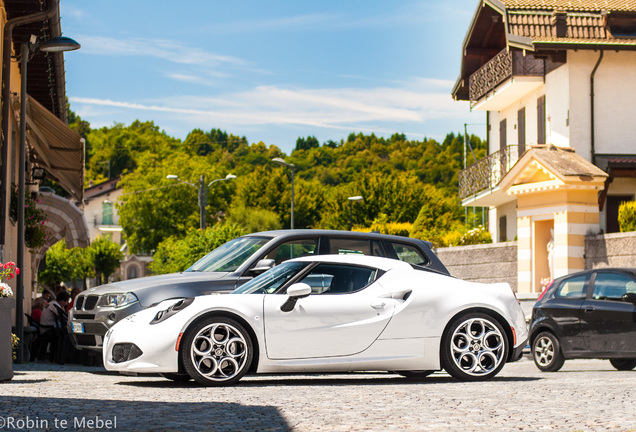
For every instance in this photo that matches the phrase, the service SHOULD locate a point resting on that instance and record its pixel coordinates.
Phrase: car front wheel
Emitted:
(217, 351)
(546, 351)
(474, 347)
(623, 364)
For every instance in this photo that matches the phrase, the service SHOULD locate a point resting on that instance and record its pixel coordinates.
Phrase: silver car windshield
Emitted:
(230, 256)
(270, 281)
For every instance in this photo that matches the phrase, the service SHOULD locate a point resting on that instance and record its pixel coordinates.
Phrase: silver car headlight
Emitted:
(117, 300)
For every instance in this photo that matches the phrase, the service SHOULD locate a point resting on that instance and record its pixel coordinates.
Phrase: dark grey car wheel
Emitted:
(546, 352)
(474, 347)
(623, 364)
(217, 351)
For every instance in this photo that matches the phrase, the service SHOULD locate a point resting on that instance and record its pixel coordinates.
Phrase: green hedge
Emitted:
(627, 216)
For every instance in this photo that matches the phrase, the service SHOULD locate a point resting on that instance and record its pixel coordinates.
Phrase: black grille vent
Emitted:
(79, 302)
(91, 302)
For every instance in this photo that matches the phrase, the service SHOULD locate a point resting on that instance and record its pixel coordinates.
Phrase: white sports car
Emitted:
(330, 313)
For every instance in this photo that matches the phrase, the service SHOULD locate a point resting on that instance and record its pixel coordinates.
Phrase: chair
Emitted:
(43, 338)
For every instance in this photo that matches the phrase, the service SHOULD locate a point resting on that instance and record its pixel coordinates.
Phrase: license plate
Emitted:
(78, 327)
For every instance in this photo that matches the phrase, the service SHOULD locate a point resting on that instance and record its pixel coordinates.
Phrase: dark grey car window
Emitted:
(410, 254)
(612, 286)
(354, 246)
(338, 278)
(293, 249)
(573, 288)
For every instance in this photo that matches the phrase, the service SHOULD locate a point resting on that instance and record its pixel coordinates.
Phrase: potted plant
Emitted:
(7, 302)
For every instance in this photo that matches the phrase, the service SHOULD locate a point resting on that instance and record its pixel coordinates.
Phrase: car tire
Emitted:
(176, 377)
(623, 364)
(474, 347)
(546, 352)
(415, 375)
(216, 351)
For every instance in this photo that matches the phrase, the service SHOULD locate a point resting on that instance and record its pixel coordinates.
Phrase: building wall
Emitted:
(482, 263)
(610, 250)
(615, 101)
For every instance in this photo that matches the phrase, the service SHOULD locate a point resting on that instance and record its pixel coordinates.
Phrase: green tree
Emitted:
(63, 264)
(176, 254)
(105, 256)
(252, 219)
(439, 214)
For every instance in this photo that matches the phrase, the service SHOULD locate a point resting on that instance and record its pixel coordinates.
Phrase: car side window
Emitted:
(612, 286)
(353, 246)
(293, 249)
(572, 288)
(338, 279)
(410, 254)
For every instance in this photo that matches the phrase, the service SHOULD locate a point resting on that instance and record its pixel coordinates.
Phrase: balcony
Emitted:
(504, 79)
(478, 183)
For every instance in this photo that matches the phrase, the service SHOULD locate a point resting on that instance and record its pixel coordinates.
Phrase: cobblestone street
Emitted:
(586, 395)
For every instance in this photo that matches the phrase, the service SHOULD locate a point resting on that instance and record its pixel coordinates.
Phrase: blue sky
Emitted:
(271, 70)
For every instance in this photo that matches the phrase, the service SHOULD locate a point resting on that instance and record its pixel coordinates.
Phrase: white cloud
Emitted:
(343, 108)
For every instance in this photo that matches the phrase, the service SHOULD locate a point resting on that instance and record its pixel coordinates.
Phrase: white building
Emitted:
(560, 75)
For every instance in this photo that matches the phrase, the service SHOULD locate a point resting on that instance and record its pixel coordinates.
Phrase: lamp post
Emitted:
(58, 44)
(202, 192)
(351, 200)
(280, 161)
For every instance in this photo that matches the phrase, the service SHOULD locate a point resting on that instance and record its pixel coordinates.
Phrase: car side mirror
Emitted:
(262, 266)
(627, 297)
(295, 292)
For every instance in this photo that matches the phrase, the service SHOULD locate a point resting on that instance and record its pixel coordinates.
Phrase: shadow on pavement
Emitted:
(45, 413)
(358, 379)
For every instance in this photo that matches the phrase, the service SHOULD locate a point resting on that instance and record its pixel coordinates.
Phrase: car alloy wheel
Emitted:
(623, 364)
(546, 351)
(217, 351)
(474, 347)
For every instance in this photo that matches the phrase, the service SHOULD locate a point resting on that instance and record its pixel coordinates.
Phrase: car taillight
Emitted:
(545, 290)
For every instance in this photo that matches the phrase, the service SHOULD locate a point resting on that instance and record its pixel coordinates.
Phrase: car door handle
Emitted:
(589, 309)
(378, 305)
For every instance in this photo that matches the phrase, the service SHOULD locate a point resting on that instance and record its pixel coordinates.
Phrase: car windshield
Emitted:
(270, 281)
(230, 256)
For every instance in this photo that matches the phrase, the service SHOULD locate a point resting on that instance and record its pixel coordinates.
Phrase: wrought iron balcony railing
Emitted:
(506, 64)
(486, 173)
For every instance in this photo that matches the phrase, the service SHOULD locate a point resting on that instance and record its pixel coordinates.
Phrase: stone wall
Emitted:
(488, 263)
(610, 250)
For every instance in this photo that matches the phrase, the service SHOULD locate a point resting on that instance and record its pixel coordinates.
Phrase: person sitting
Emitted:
(36, 308)
(55, 315)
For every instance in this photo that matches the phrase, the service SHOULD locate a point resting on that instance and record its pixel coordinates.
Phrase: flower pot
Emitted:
(6, 356)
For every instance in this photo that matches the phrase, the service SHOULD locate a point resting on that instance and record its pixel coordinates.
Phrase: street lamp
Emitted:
(351, 200)
(280, 161)
(58, 44)
(202, 190)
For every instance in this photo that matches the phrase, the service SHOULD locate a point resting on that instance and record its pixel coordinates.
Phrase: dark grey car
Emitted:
(228, 267)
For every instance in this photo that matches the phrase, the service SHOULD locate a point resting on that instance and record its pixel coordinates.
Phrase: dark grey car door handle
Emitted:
(589, 309)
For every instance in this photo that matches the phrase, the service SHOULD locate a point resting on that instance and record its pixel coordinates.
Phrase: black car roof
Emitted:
(631, 270)
(332, 233)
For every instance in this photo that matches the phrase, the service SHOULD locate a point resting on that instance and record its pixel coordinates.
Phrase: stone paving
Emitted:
(586, 395)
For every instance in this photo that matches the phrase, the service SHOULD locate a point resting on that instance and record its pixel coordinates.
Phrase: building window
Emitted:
(502, 135)
(541, 120)
(107, 213)
(503, 229)
(521, 130)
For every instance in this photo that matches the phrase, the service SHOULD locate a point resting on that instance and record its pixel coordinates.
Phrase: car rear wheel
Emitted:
(623, 364)
(546, 351)
(217, 351)
(474, 347)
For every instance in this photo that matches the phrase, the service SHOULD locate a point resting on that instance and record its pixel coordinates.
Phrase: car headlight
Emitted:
(117, 300)
(163, 315)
